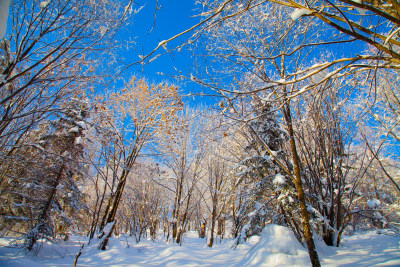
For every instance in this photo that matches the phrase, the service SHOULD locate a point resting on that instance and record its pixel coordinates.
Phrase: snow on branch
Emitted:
(298, 12)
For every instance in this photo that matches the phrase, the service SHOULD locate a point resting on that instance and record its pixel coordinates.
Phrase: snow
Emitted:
(78, 140)
(103, 30)
(276, 246)
(44, 4)
(298, 12)
(279, 179)
(302, 90)
(124, 251)
(372, 203)
(163, 44)
(319, 76)
(366, 249)
(360, 10)
(81, 124)
(74, 130)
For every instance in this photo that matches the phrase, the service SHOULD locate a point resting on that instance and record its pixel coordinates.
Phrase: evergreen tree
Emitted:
(57, 181)
(269, 194)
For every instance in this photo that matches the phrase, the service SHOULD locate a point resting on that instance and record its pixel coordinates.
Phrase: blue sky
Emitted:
(173, 17)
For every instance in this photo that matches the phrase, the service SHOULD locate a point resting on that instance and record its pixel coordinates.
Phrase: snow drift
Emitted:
(277, 247)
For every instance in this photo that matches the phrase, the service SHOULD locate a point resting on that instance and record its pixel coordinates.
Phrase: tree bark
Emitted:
(47, 206)
(118, 194)
(213, 219)
(300, 192)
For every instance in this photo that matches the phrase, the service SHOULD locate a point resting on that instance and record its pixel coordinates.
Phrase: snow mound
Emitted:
(277, 247)
(279, 179)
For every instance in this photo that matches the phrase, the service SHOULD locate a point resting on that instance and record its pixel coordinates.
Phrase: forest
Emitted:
(299, 136)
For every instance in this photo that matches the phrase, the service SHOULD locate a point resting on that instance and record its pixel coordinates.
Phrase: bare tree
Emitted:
(50, 54)
(143, 205)
(132, 117)
(216, 182)
(182, 150)
(257, 46)
(325, 131)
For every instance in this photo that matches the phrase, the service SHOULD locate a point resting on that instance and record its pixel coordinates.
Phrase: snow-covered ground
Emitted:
(275, 247)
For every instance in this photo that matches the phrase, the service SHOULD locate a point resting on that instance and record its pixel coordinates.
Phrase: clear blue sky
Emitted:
(173, 17)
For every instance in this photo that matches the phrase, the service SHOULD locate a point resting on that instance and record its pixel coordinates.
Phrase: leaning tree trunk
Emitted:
(114, 208)
(43, 215)
(118, 195)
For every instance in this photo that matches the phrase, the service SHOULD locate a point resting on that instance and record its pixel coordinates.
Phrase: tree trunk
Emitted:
(202, 231)
(118, 194)
(47, 206)
(213, 219)
(103, 245)
(221, 227)
(300, 192)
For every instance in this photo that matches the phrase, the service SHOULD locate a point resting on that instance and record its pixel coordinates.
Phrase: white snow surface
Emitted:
(103, 30)
(275, 247)
(319, 76)
(81, 124)
(73, 130)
